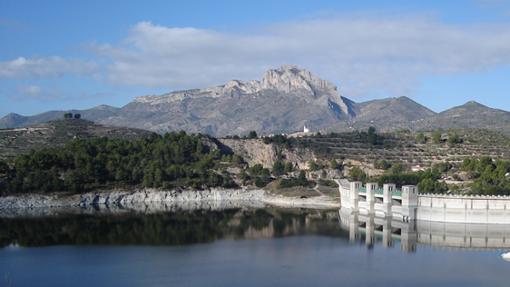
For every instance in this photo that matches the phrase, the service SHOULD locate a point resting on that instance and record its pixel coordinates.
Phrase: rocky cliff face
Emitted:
(284, 100)
(255, 151)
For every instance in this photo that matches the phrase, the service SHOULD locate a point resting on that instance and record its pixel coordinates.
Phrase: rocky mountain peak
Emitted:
(474, 104)
(286, 79)
(11, 120)
(13, 116)
(468, 107)
(291, 78)
(236, 86)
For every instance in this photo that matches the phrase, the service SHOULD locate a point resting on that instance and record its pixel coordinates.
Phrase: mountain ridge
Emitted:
(282, 101)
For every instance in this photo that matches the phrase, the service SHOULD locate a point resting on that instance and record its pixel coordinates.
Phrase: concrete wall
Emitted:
(464, 209)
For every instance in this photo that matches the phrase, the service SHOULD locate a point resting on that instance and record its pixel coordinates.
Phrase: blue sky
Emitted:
(70, 54)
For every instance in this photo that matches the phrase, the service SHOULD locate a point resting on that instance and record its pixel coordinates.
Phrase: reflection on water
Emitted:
(370, 230)
(170, 228)
(299, 248)
(201, 226)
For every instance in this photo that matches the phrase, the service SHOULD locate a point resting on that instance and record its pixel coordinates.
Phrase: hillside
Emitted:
(469, 115)
(13, 120)
(57, 133)
(389, 114)
(403, 147)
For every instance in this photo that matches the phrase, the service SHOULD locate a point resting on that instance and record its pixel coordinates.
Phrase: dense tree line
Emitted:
(297, 181)
(427, 181)
(488, 176)
(280, 140)
(491, 177)
(258, 175)
(172, 160)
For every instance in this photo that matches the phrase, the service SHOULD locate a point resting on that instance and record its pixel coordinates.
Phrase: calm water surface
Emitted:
(235, 247)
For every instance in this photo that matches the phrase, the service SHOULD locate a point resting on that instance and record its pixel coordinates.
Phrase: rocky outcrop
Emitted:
(255, 151)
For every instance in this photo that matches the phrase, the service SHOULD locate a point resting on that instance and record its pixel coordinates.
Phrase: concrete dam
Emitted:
(407, 204)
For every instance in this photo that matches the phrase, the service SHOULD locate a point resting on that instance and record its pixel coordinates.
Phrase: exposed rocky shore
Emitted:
(154, 200)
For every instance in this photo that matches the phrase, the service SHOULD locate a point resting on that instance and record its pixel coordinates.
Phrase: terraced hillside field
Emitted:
(57, 133)
(404, 148)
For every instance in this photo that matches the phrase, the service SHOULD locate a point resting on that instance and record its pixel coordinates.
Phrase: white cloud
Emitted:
(362, 54)
(44, 67)
(52, 92)
(31, 90)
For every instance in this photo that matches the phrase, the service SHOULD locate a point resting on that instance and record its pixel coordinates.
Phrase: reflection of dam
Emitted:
(370, 229)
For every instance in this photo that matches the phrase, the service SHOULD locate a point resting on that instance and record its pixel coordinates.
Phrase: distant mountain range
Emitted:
(284, 100)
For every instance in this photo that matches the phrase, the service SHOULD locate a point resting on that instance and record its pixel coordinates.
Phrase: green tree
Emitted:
(420, 138)
(4, 167)
(429, 185)
(454, 139)
(436, 137)
(382, 164)
(397, 168)
(313, 166)
(302, 178)
(252, 135)
(335, 165)
(278, 168)
(289, 167)
(357, 174)
(441, 167)
(372, 136)
(256, 169)
(244, 177)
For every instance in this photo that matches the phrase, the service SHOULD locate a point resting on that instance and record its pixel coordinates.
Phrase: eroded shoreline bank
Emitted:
(154, 200)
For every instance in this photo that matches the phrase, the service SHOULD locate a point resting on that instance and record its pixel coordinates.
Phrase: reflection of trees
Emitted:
(164, 228)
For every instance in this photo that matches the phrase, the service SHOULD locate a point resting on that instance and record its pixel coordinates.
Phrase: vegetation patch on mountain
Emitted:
(169, 161)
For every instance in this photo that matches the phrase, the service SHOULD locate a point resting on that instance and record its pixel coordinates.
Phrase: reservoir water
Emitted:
(246, 247)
